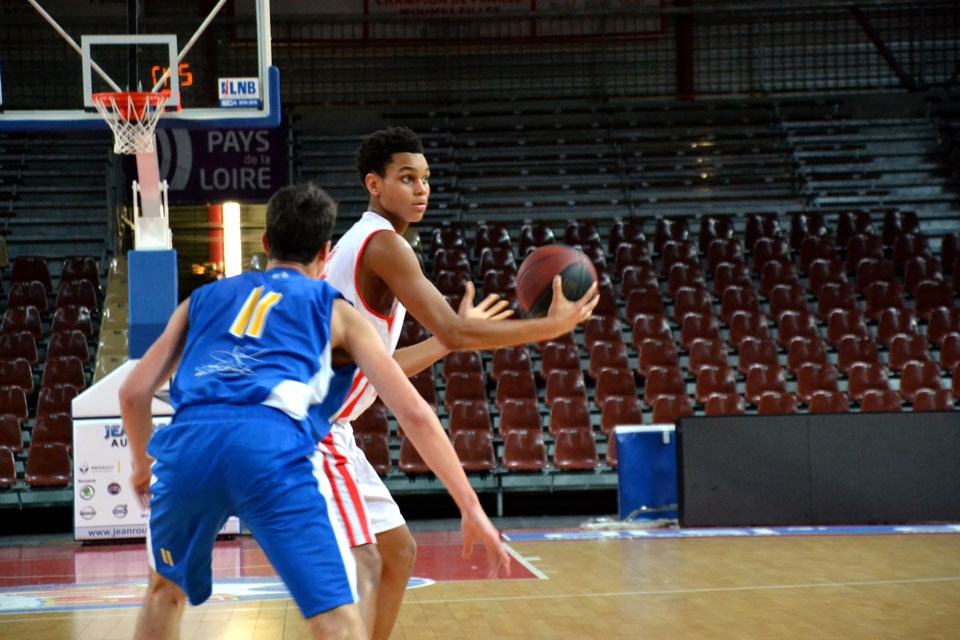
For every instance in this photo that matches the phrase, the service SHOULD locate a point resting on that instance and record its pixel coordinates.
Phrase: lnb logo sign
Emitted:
(239, 92)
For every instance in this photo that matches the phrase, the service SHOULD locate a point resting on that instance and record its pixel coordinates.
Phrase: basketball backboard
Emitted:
(213, 57)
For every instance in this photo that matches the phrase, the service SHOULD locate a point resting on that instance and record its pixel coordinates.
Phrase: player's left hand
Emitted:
(493, 307)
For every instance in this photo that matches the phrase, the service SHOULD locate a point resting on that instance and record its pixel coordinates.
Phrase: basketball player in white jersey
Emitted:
(375, 268)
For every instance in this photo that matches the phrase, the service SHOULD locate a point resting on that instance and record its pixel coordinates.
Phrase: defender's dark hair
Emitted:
(377, 149)
(300, 220)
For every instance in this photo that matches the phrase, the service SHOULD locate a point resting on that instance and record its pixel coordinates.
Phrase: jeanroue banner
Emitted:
(204, 166)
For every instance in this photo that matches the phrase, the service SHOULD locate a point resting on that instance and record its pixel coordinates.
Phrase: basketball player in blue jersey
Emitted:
(261, 362)
(373, 266)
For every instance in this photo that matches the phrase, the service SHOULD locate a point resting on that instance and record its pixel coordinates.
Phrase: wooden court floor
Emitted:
(607, 586)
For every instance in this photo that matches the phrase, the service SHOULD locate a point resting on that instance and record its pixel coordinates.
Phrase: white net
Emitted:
(132, 117)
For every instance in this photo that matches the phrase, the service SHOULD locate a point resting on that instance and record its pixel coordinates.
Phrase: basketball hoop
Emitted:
(133, 116)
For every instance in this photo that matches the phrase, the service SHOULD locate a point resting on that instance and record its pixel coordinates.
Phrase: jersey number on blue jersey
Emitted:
(253, 315)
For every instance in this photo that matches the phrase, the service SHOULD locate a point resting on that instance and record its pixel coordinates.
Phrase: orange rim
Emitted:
(130, 104)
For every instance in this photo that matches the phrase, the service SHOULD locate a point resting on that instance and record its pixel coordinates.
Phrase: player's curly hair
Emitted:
(377, 149)
(300, 220)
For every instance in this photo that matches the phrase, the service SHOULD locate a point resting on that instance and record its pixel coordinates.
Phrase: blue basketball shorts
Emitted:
(252, 462)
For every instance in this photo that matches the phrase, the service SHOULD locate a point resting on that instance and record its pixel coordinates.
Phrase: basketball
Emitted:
(535, 277)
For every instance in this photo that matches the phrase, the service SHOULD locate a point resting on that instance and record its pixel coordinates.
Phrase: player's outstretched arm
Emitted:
(417, 357)
(388, 257)
(355, 335)
(136, 395)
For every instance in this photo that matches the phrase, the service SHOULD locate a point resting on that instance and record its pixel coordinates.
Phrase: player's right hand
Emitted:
(571, 313)
(140, 480)
(475, 526)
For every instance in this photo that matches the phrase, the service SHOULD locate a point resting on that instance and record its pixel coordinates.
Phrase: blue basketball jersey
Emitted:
(263, 338)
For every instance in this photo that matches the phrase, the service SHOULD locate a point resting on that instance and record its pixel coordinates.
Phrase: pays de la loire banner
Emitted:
(200, 167)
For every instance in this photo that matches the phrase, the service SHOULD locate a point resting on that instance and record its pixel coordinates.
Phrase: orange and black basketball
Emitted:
(535, 277)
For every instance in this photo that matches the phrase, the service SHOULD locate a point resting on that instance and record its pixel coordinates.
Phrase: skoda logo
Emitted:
(87, 491)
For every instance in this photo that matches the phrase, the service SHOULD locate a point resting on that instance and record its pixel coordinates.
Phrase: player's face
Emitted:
(405, 187)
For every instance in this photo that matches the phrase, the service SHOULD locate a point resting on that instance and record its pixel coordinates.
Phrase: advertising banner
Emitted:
(217, 165)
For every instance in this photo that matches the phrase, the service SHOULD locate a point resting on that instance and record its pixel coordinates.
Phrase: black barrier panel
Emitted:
(819, 469)
(890, 468)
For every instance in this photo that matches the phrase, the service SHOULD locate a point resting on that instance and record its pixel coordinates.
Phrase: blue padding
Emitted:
(647, 472)
(152, 281)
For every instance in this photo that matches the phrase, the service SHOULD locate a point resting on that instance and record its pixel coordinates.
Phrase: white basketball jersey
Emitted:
(341, 272)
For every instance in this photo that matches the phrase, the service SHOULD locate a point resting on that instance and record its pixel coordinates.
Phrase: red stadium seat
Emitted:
(511, 359)
(856, 348)
(866, 376)
(469, 415)
(569, 413)
(17, 373)
(748, 324)
(715, 380)
(777, 403)
(650, 326)
(786, 297)
(762, 378)
(918, 375)
(376, 449)
(735, 298)
(661, 381)
(373, 420)
(563, 383)
(757, 351)
(829, 402)
(824, 271)
(729, 274)
(18, 319)
(621, 410)
(804, 349)
(725, 404)
(11, 435)
(525, 450)
(614, 382)
(464, 386)
(8, 469)
(846, 322)
(517, 385)
(796, 323)
(518, 414)
(559, 356)
(656, 352)
(462, 362)
(475, 450)
(607, 355)
(32, 268)
(816, 376)
(72, 318)
(575, 449)
(695, 326)
(48, 465)
(53, 428)
(692, 300)
(880, 401)
(668, 408)
(707, 352)
(933, 400)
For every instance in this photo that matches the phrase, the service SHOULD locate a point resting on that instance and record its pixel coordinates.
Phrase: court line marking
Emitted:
(525, 563)
(670, 592)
